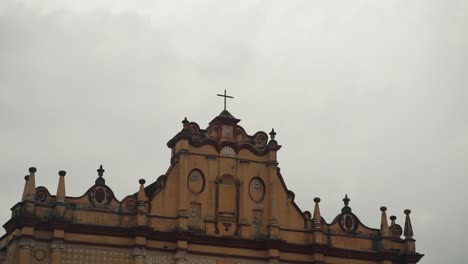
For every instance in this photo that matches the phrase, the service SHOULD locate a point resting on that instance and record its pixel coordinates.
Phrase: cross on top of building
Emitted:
(225, 96)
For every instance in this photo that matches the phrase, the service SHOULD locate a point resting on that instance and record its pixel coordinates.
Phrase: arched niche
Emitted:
(227, 204)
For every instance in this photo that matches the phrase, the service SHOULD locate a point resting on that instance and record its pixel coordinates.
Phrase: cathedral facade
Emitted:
(222, 200)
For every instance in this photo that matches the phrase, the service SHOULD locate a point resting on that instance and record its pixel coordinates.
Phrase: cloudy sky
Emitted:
(368, 98)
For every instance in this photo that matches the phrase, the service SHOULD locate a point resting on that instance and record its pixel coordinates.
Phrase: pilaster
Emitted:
(26, 246)
(56, 249)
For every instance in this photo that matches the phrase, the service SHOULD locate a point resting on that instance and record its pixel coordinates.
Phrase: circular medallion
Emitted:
(348, 222)
(396, 231)
(257, 189)
(100, 195)
(39, 254)
(196, 181)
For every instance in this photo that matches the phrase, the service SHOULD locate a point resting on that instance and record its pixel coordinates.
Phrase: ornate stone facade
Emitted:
(223, 200)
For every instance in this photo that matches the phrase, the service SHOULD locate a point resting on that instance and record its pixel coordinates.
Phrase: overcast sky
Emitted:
(368, 98)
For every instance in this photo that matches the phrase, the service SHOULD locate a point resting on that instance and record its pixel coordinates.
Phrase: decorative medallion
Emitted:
(196, 181)
(228, 151)
(348, 222)
(396, 231)
(260, 140)
(100, 195)
(39, 254)
(131, 203)
(257, 189)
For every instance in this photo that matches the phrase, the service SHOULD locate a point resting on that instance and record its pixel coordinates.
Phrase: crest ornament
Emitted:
(257, 189)
(100, 195)
(348, 222)
(196, 181)
(228, 151)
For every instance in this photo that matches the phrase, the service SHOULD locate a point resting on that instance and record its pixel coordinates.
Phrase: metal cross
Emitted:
(225, 96)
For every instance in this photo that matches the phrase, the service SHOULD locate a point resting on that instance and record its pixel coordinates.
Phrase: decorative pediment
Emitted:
(224, 130)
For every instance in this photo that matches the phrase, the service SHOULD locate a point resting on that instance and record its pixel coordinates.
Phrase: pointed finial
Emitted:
(100, 180)
(384, 229)
(393, 218)
(60, 197)
(317, 217)
(408, 233)
(272, 133)
(346, 208)
(185, 122)
(273, 144)
(346, 199)
(100, 171)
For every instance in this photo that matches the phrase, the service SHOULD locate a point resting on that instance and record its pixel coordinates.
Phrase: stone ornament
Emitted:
(196, 181)
(228, 151)
(260, 140)
(257, 189)
(348, 222)
(100, 195)
(131, 203)
(40, 254)
(41, 194)
(396, 231)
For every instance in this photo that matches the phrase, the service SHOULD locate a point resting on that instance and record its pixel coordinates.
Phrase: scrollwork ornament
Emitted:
(41, 194)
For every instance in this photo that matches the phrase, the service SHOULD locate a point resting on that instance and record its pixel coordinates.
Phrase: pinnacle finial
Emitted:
(60, 196)
(100, 171)
(272, 133)
(384, 229)
(317, 219)
(185, 122)
(25, 190)
(408, 233)
(100, 180)
(393, 218)
(346, 209)
(141, 197)
(346, 199)
(30, 188)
